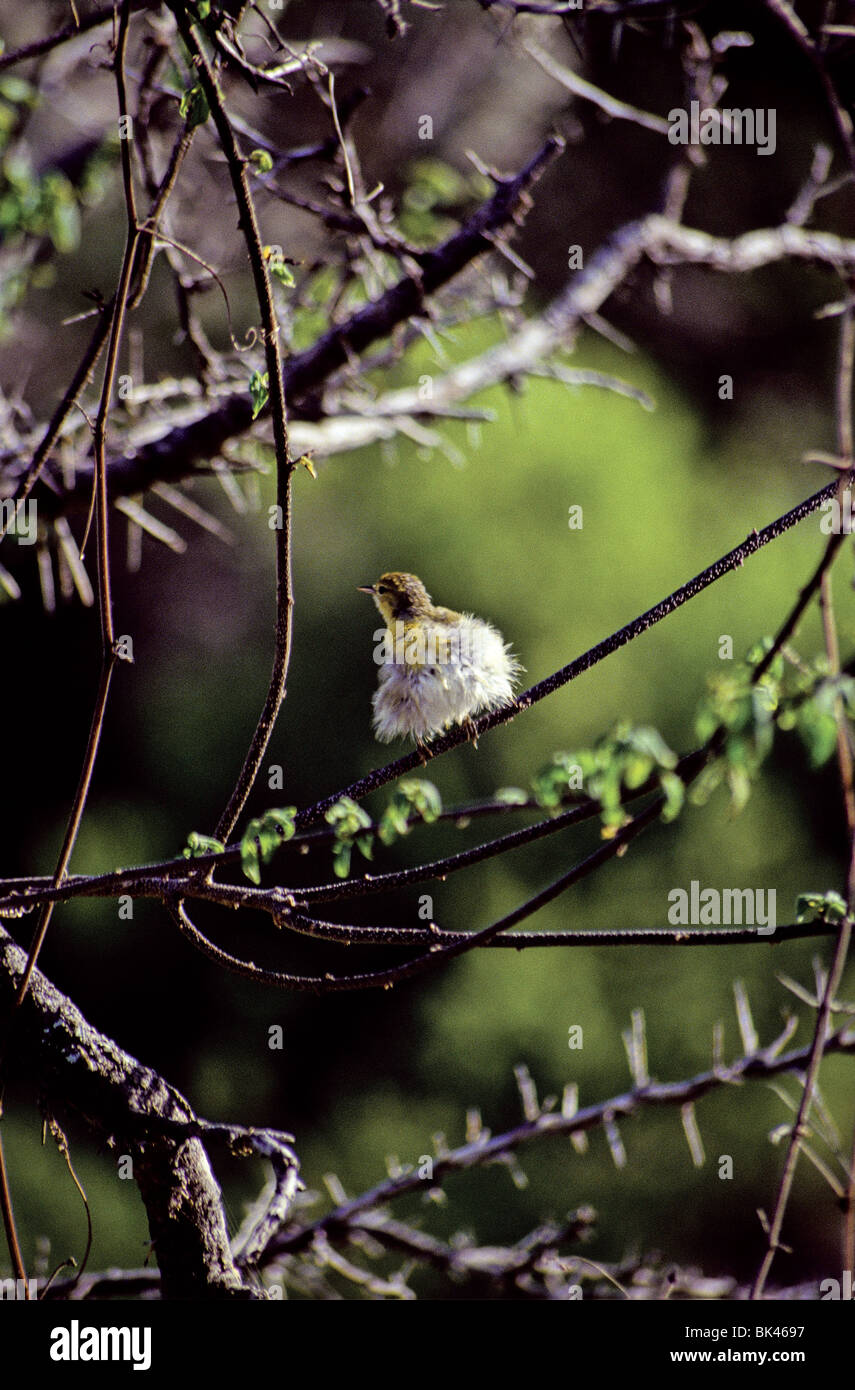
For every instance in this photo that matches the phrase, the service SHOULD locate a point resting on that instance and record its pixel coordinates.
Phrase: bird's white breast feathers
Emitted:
(460, 669)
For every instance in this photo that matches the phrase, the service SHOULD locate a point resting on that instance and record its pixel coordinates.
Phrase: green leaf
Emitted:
(817, 729)
(757, 652)
(675, 795)
(268, 840)
(636, 770)
(422, 796)
(434, 181)
(283, 818)
(413, 797)
(197, 845)
(18, 90)
(847, 690)
(706, 722)
(347, 817)
(341, 859)
(259, 391)
(280, 268)
(650, 743)
(350, 823)
(511, 796)
(820, 907)
(706, 783)
(393, 823)
(565, 773)
(262, 160)
(194, 106)
(765, 699)
(263, 836)
(613, 816)
(62, 215)
(739, 784)
(249, 859)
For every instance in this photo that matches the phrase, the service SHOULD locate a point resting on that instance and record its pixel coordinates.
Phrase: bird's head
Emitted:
(400, 597)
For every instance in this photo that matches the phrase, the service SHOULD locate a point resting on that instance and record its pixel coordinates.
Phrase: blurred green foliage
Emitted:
(38, 203)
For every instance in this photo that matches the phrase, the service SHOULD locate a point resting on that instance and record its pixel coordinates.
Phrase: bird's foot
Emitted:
(468, 724)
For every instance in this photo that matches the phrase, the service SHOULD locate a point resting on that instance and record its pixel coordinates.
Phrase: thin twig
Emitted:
(79, 380)
(104, 15)
(438, 953)
(784, 12)
(284, 467)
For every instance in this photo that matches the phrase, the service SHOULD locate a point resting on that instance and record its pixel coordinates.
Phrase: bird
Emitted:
(437, 667)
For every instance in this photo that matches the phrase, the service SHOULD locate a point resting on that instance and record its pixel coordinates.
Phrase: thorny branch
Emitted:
(131, 1105)
(485, 1148)
(179, 452)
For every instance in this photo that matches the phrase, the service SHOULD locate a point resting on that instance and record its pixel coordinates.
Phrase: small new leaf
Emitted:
(262, 160)
(249, 860)
(414, 797)
(194, 106)
(341, 859)
(350, 824)
(262, 838)
(282, 272)
(259, 392)
(512, 796)
(276, 262)
(675, 795)
(197, 845)
(820, 907)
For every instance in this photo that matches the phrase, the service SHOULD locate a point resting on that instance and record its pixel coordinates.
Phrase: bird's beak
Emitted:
(365, 588)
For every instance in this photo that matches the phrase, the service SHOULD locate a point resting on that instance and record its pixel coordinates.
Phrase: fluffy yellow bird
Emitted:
(437, 667)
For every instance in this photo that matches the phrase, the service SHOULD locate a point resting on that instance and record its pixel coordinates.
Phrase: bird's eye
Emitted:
(382, 589)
